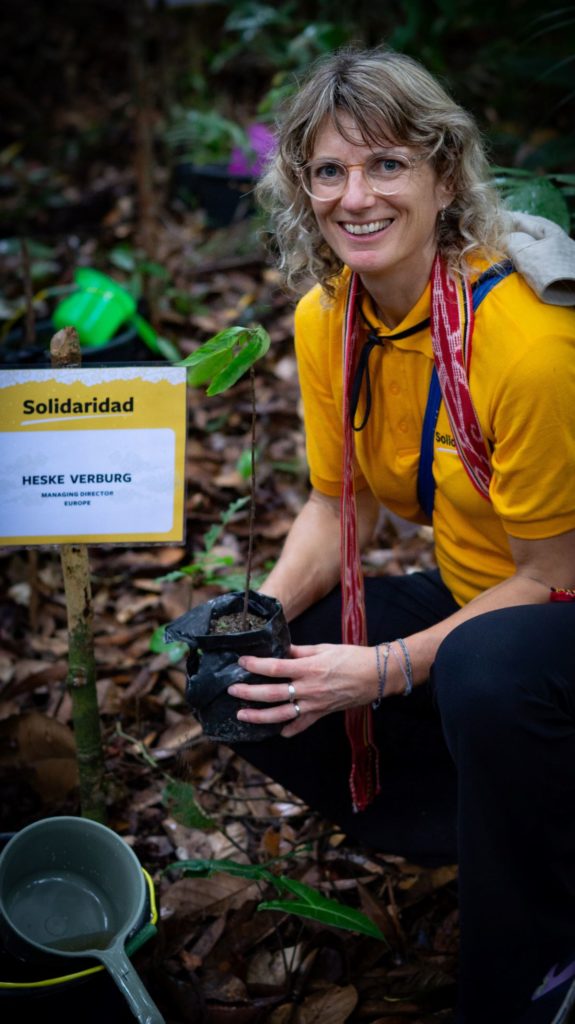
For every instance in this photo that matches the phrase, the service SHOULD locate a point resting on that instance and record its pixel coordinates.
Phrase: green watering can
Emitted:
(71, 887)
(98, 308)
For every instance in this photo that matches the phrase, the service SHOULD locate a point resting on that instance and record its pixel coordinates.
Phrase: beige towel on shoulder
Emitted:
(543, 254)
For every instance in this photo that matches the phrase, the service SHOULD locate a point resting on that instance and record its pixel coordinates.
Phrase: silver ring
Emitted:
(297, 709)
(291, 692)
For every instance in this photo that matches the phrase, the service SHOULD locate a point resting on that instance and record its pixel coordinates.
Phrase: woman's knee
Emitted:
(483, 672)
(527, 648)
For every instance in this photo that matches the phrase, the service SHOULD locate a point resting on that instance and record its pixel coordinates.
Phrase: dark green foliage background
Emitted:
(510, 63)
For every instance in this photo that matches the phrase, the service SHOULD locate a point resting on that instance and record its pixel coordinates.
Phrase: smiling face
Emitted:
(390, 241)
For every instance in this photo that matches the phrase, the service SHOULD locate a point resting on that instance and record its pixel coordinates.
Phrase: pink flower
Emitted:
(262, 141)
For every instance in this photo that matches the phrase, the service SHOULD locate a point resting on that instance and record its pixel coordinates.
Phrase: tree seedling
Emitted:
(220, 362)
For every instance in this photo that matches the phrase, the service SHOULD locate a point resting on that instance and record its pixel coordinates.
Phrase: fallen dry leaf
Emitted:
(333, 1004)
(45, 749)
(214, 895)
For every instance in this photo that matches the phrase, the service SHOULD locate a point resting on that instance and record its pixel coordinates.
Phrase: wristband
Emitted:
(408, 673)
(381, 674)
(561, 595)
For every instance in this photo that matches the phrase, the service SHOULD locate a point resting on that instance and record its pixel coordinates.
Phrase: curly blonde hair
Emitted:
(387, 95)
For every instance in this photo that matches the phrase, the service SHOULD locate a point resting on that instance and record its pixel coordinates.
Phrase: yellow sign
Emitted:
(92, 455)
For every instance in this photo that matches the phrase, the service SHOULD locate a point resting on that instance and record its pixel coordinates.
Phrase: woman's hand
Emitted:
(325, 678)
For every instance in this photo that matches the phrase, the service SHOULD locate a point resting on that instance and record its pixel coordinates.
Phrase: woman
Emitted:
(379, 192)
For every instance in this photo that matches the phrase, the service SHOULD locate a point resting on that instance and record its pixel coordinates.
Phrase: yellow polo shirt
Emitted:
(522, 382)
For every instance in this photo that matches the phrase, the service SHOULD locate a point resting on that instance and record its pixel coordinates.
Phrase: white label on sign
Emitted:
(81, 482)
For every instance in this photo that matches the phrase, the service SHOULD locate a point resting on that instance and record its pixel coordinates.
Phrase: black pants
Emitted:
(478, 766)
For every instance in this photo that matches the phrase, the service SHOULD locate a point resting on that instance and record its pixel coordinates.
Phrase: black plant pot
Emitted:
(225, 198)
(212, 663)
(126, 346)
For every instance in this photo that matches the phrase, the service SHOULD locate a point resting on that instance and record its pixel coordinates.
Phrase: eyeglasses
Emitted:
(386, 175)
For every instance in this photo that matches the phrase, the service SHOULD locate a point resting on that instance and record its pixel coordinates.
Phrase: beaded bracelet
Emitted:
(381, 675)
(557, 594)
(408, 666)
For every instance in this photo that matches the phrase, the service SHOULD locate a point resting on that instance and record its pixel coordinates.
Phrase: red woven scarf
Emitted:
(364, 778)
(451, 329)
(451, 332)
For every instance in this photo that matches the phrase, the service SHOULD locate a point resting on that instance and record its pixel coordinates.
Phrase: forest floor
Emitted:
(172, 794)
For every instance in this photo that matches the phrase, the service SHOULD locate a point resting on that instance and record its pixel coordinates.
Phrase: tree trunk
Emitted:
(81, 678)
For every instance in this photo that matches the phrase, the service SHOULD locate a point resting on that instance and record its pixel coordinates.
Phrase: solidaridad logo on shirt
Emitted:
(445, 442)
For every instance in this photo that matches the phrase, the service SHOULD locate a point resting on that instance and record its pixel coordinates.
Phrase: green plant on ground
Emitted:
(307, 902)
(210, 568)
(179, 797)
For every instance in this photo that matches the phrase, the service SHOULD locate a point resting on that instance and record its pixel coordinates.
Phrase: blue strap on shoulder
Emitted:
(425, 481)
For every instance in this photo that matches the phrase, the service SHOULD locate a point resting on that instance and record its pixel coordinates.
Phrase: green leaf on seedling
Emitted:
(287, 466)
(212, 356)
(223, 359)
(207, 563)
(175, 650)
(153, 269)
(202, 372)
(253, 350)
(221, 342)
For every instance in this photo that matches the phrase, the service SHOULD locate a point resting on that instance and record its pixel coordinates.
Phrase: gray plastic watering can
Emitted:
(71, 887)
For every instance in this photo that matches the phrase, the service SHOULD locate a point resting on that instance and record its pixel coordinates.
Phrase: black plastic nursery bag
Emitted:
(212, 663)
